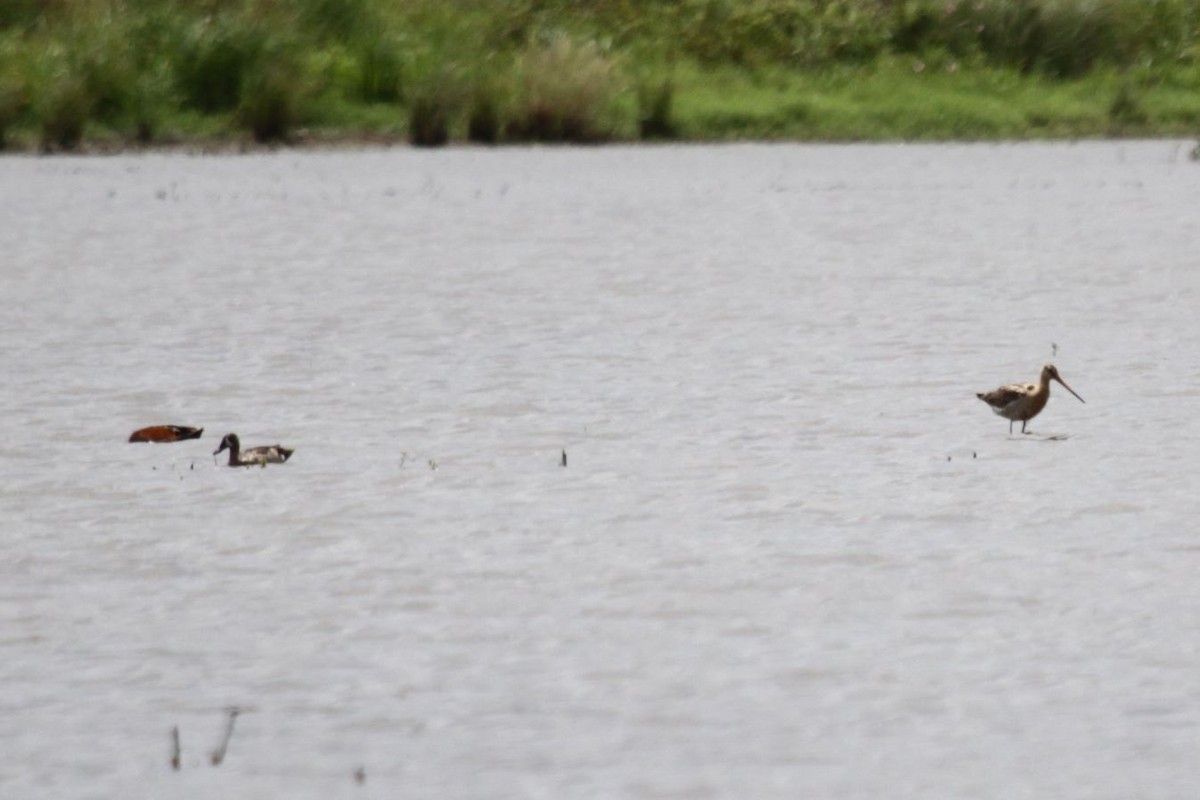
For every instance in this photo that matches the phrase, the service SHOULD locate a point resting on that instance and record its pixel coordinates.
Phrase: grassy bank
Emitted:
(124, 73)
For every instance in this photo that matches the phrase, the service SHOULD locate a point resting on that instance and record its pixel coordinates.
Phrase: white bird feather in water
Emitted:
(1021, 402)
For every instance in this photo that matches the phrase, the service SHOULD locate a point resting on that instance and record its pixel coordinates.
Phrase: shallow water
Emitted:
(791, 555)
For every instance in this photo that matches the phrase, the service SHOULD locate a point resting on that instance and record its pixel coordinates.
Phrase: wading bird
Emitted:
(1021, 402)
(252, 456)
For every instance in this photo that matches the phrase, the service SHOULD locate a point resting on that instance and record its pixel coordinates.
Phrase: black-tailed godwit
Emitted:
(1021, 402)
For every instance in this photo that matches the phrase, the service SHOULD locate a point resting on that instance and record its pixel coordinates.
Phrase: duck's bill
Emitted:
(1072, 391)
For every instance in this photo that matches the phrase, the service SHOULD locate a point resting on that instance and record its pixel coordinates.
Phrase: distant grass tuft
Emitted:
(655, 120)
(336, 20)
(484, 121)
(428, 121)
(13, 101)
(101, 54)
(432, 106)
(1059, 38)
(150, 99)
(565, 93)
(63, 109)
(1127, 106)
(21, 14)
(787, 32)
(270, 103)
(380, 70)
(212, 59)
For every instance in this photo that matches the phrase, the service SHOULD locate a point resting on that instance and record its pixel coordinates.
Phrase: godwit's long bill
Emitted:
(1021, 402)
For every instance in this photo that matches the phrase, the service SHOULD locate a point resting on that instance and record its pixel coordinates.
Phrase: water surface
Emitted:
(791, 555)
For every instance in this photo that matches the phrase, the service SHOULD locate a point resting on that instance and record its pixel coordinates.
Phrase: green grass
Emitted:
(894, 103)
(126, 73)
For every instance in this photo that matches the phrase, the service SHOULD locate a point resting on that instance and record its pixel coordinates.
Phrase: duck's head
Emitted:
(230, 442)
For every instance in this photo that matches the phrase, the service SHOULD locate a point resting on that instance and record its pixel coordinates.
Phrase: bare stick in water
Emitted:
(218, 755)
(175, 751)
(564, 458)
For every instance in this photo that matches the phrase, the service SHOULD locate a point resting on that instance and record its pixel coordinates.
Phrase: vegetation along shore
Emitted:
(118, 74)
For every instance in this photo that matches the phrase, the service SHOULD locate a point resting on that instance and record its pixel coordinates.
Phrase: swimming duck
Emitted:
(252, 456)
(165, 433)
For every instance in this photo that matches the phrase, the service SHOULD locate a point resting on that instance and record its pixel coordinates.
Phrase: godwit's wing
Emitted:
(1006, 395)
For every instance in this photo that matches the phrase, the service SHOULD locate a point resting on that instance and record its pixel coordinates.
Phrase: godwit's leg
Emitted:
(1023, 426)
(1010, 422)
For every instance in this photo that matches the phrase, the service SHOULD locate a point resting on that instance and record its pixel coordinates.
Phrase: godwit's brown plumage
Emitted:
(1021, 402)
(165, 433)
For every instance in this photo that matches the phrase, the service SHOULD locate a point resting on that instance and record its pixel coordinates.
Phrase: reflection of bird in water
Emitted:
(1021, 402)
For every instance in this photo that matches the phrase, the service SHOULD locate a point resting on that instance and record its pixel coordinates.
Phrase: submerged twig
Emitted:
(564, 458)
(175, 750)
(218, 755)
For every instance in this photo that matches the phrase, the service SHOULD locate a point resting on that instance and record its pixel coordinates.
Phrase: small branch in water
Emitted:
(218, 755)
(360, 776)
(564, 458)
(403, 458)
(175, 750)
